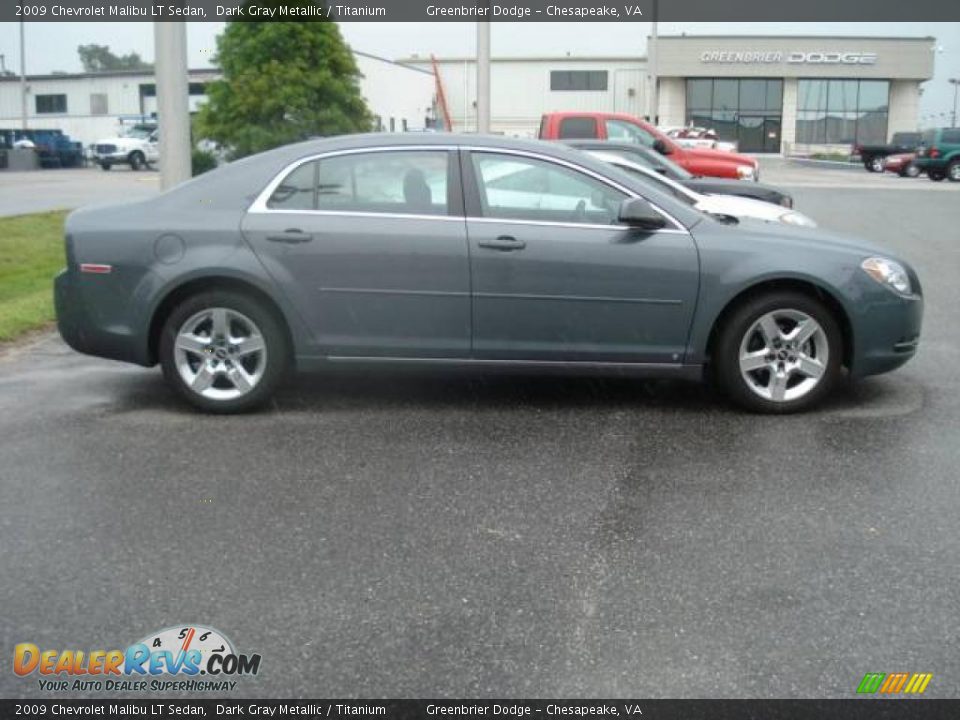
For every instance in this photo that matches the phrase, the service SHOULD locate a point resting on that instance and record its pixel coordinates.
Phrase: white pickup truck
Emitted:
(137, 148)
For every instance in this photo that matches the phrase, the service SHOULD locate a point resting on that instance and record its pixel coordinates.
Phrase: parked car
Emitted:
(626, 128)
(939, 154)
(471, 251)
(647, 157)
(722, 206)
(138, 147)
(902, 164)
(691, 136)
(54, 149)
(872, 155)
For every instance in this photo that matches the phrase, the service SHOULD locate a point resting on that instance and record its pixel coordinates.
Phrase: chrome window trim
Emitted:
(677, 225)
(259, 205)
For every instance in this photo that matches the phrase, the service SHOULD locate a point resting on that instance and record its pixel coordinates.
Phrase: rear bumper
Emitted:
(81, 329)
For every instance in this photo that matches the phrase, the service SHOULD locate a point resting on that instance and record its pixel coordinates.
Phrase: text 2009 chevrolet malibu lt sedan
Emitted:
(474, 251)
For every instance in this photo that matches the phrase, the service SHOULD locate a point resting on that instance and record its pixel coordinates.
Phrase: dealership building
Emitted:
(769, 94)
(781, 94)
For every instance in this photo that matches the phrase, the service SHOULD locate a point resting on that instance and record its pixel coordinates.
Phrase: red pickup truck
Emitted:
(626, 128)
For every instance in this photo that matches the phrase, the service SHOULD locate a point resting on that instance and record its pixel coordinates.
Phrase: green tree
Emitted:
(98, 58)
(282, 82)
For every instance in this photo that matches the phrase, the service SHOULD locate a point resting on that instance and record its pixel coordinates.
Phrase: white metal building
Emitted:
(523, 88)
(88, 106)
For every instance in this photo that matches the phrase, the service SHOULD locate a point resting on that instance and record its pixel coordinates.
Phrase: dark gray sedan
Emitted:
(470, 251)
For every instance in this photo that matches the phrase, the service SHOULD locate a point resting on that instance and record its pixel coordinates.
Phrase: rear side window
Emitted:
(406, 182)
(950, 137)
(578, 127)
(907, 139)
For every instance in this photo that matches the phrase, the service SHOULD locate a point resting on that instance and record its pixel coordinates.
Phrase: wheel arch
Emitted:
(196, 285)
(805, 287)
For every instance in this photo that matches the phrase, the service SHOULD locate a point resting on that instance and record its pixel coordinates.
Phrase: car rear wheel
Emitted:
(136, 160)
(779, 353)
(953, 171)
(875, 164)
(936, 175)
(223, 351)
(105, 166)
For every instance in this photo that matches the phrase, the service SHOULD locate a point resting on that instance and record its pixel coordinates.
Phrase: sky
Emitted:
(52, 46)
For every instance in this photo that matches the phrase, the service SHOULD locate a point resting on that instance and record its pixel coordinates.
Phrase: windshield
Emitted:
(643, 157)
(140, 132)
(662, 185)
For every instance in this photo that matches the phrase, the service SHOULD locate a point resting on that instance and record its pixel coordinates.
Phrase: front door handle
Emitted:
(291, 236)
(504, 243)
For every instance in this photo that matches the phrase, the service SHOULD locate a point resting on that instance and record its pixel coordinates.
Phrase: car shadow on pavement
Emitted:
(344, 389)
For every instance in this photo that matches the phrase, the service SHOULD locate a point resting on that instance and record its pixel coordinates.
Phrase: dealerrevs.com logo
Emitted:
(184, 658)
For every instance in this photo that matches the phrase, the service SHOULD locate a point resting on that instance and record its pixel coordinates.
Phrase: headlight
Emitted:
(889, 273)
(745, 172)
(795, 218)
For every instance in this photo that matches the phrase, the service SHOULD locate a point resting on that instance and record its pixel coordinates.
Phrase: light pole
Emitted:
(23, 79)
(170, 50)
(956, 83)
(483, 77)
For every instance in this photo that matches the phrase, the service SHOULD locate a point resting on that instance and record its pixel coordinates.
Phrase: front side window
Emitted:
(405, 182)
(520, 188)
(623, 131)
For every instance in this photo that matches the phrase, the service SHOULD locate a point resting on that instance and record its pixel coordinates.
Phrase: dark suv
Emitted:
(939, 154)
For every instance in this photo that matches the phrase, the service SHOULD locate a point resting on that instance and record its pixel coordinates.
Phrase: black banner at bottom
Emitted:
(853, 709)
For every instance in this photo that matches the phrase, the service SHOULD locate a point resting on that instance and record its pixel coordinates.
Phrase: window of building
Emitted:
(578, 80)
(50, 104)
(746, 111)
(386, 182)
(98, 104)
(843, 112)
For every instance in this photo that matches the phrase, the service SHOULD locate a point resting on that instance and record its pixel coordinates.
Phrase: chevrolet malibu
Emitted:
(471, 251)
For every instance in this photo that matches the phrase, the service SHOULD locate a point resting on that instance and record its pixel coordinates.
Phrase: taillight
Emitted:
(934, 153)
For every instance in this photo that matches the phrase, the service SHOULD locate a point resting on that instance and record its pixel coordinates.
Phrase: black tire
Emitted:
(136, 160)
(953, 171)
(910, 171)
(105, 166)
(726, 352)
(936, 175)
(874, 164)
(277, 357)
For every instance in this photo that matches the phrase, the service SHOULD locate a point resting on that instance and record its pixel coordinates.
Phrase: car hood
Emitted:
(722, 156)
(781, 233)
(742, 207)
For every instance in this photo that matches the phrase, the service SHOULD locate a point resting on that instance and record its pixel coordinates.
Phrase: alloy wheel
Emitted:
(954, 172)
(220, 354)
(877, 164)
(784, 355)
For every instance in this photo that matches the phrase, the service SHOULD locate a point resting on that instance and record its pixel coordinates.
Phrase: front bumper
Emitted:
(886, 334)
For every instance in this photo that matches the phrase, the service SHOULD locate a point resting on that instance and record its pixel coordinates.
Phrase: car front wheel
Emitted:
(136, 160)
(936, 175)
(779, 353)
(223, 351)
(875, 165)
(953, 171)
(911, 170)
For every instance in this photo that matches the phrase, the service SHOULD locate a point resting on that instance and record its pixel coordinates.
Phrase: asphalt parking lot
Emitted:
(411, 535)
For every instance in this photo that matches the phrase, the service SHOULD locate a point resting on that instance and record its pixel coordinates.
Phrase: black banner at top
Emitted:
(479, 10)
(157, 709)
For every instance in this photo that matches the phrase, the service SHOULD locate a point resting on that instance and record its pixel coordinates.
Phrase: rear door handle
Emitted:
(291, 236)
(504, 243)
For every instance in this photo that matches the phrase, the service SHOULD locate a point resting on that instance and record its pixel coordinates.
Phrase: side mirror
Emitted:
(661, 147)
(637, 212)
